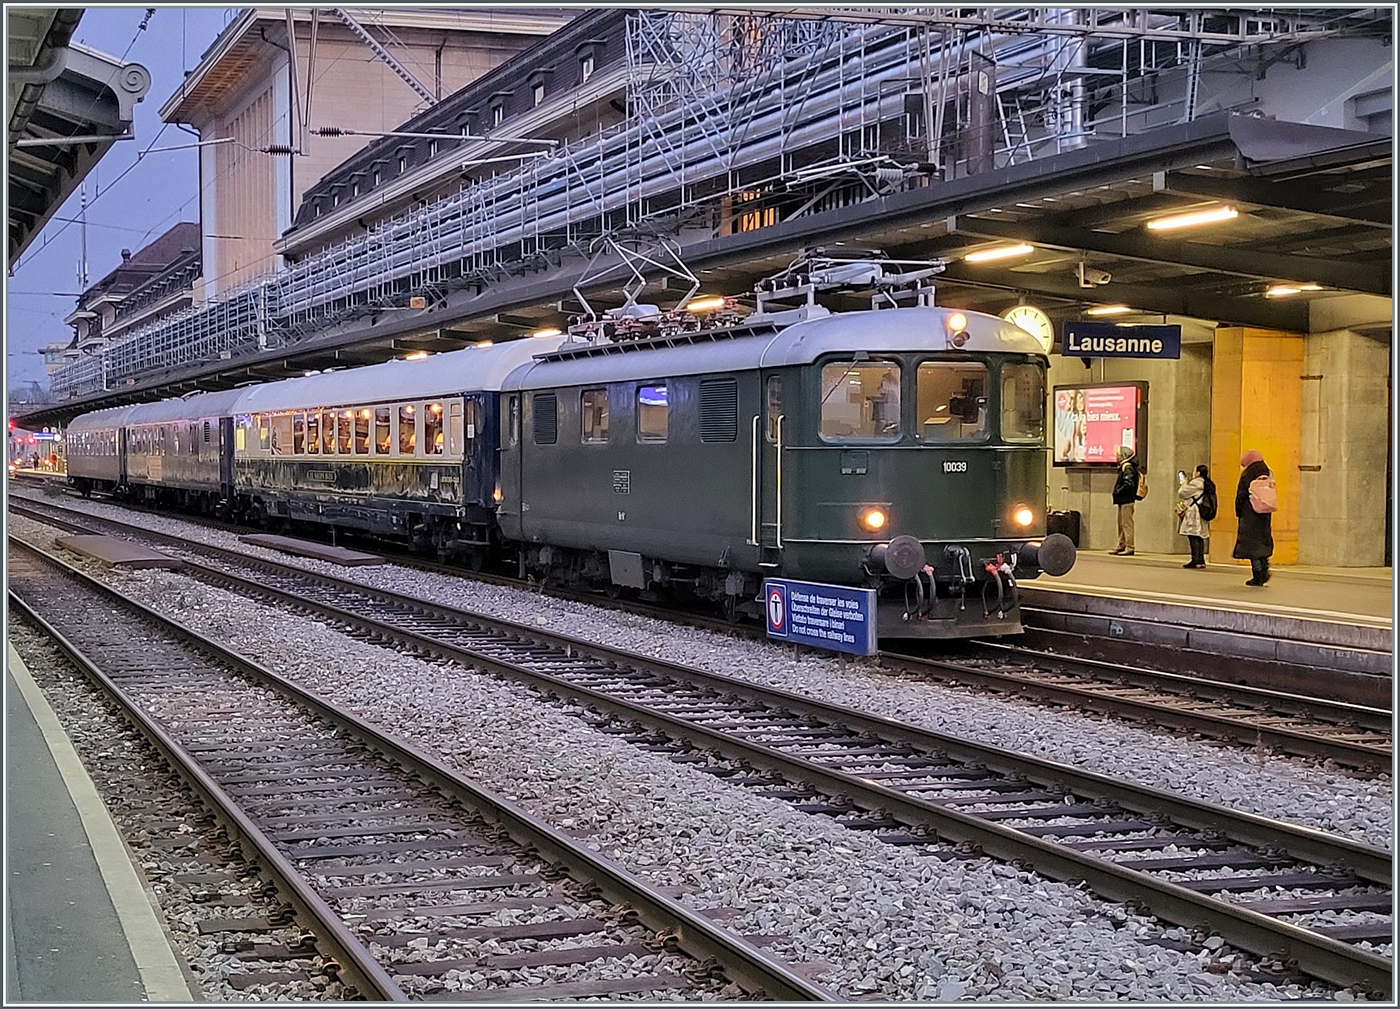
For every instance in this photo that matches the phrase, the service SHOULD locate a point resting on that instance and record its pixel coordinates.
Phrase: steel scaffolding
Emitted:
(738, 120)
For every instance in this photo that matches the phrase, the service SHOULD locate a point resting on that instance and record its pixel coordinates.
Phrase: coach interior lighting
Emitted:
(1108, 310)
(417, 355)
(548, 331)
(408, 409)
(1003, 252)
(872, 520)
(1023, 516)
(483, 343)
(709, 303)
(1288, 290)
(435, 407)
(1212, 216)
(366, 414)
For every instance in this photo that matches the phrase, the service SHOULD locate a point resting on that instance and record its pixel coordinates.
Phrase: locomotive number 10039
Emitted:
(955, 467)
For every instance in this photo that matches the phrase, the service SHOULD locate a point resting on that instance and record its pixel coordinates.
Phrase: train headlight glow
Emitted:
(872, 520)
(1023, 516)
(957, 322)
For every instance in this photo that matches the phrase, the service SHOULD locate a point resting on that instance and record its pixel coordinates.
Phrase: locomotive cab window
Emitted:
(1022, 403)
(595, 415)
(951, 402)
(860, 401)
(775, 406)
(653, 408)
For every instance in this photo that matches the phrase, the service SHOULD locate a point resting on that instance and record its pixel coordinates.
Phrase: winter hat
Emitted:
(1251, 456)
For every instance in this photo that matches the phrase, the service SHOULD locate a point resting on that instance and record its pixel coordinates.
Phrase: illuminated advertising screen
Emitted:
(1093, 421)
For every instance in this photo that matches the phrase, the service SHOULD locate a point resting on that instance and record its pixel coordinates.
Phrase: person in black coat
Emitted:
(1125, 490)
(1255, 539)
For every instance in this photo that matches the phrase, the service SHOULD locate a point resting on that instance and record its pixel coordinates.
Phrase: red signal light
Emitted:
(12, 423)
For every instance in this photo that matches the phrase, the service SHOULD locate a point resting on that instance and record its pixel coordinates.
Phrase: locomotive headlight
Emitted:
(1023, 516)
(872, 520)
(957, 321)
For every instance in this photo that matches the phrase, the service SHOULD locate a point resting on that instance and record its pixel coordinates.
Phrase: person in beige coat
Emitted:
(1191, 496)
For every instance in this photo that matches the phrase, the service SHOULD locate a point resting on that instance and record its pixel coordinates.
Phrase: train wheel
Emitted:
(732, 613)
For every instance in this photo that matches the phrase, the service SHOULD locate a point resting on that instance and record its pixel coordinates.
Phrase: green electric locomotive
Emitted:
(900, 449)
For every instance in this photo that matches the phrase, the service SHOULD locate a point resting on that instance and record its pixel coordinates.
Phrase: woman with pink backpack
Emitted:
(1256, 499)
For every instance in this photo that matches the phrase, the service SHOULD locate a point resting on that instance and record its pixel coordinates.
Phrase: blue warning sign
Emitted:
(826, 616)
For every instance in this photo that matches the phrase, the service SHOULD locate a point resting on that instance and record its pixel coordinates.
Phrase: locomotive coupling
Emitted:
(1054, 555)
(903, 557)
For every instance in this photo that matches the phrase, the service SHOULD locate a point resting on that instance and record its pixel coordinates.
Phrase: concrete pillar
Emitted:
(1344, 449)
(1178, 438)
(1257, 402)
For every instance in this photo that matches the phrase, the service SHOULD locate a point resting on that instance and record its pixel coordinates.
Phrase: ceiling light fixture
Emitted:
(1107, 310)
(1212, 216)
(708, 303)
(1004, 252)
(548, 331)
(1288, 290)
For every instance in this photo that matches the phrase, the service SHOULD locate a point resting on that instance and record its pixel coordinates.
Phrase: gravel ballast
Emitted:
(889, 921)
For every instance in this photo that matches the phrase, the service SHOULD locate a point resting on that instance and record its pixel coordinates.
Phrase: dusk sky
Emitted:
(127, 206)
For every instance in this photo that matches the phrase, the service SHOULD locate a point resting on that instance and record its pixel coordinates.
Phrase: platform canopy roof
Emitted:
(66, 106)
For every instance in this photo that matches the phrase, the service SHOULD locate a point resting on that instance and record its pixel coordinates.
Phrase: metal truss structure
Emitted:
(741, 119)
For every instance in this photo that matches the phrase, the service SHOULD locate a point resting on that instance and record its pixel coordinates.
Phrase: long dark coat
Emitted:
(1125, 487)
(1255, 539)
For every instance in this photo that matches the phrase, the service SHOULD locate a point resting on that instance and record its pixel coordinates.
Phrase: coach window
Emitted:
(595, 415)
(860, 401)
(653, 408)
(362, 420)
(432, 430)
(951, 402)
(514, 420)
(298, 434)
(347, 419)
(264, 423)
(383, 438)
(1022, 403)
(313, 433)
(408, 429)
(330, 425)
(282, 434)
(160, 440)
(454, 428)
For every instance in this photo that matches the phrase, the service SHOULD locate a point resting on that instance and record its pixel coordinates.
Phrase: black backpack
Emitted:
(1207, 504)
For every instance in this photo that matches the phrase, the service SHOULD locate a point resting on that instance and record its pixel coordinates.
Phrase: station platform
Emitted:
(1344, 607)
(80, 925)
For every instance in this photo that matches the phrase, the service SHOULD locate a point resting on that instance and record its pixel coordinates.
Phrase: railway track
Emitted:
(1352, 735)
(388, 854)
(1283, 892)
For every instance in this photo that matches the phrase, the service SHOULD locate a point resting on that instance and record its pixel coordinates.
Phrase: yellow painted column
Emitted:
(1257, 402)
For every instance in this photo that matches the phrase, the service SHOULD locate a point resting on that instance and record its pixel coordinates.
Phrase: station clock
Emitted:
(1033, 321)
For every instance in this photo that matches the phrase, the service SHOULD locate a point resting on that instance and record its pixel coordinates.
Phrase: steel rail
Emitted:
(360, 966)
(1294, 741)
(1314, 953)
(744, 963)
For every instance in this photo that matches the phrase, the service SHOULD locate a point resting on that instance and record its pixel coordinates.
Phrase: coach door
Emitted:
(226, 457)
(769, 432)
(479, 451)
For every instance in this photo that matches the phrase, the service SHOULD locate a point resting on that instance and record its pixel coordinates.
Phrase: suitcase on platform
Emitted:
(1066, 522)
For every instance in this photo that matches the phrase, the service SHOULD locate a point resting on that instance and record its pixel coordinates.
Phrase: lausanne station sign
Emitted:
(1106, 339)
